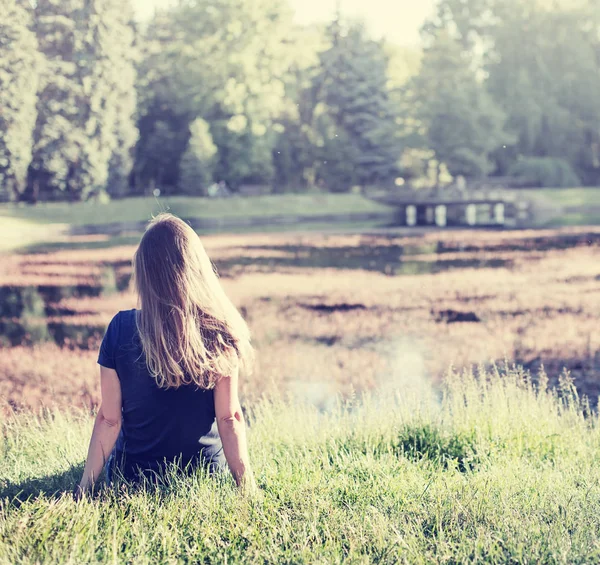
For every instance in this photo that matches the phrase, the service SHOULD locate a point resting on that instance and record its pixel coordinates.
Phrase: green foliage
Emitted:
(197, 164)
(462, 125)
(429, 442)
(222, 62)
(20, 64)
(547, 89)
(403, 64)
(358, 126)
(337, 166)
(85, 106)
(295, 153)
(163, 139)
(334, 486)
(293, 156)
(95, 106)
(245, 154)
(120, 55)
(545, 172)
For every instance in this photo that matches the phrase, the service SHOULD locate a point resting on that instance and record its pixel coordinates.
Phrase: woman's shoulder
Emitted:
(123, 329)
(126, 318)
(126, 314)
(117, 334)
(123, 315)
(122, 319)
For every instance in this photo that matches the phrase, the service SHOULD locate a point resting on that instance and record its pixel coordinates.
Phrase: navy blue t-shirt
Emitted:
(159, 425)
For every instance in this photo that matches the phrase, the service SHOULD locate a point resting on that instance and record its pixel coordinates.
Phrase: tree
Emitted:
(197, 164)
(20, 65)
(403, 64)
(541, 57)
(295, 151)
(85, 106)
(223, 62)
(119, 55)
(549, 89)
(164, 113)
(461, 123)
(358, 121)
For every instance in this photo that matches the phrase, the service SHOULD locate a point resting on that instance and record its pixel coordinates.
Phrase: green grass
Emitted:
(17, 233)
(497, 471)
(49, 245)
(142, 209)
(574, 219)
(564, 207)
(571, 197)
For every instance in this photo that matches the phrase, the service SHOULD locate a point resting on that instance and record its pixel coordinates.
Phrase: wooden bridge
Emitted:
(453, 207)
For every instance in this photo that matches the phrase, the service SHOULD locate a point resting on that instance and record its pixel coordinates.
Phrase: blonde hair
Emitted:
(190, 331)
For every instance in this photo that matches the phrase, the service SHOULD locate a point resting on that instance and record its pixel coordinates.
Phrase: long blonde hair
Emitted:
(190, 331)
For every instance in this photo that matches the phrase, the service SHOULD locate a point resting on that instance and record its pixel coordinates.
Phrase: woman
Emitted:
(169, 371)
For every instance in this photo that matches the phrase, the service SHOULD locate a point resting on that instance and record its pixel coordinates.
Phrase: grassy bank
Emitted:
(564, 207)
(572, 197)
(493, 470)
(16, 233)
(142, 209)
(578, 202)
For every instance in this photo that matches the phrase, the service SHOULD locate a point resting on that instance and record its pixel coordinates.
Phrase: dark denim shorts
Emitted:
(215, 465)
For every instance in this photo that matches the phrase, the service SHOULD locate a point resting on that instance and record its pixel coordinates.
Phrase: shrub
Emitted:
(544, 172)
(429, 442)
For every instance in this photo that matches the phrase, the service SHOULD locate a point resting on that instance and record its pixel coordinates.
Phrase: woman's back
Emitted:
(169, 371)
(158, 424)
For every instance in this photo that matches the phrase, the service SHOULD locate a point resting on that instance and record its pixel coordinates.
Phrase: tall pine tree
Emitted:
(360, 143)
(86, 104)
(20, 65)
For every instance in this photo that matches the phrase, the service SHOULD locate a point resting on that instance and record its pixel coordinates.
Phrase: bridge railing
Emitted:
(455, 207)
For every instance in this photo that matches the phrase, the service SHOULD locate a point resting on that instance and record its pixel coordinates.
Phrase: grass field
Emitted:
(494, 470)
(329, 313)
(369, 458)
(142, 209)
(572, 197)
(45, 226)
(568, 207)
(562, 207)
(18, 233)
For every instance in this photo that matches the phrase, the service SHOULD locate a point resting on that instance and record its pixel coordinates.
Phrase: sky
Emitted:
(397, 20)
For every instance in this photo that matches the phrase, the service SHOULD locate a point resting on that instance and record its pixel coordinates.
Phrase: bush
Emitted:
(544, 172)
(447, 449)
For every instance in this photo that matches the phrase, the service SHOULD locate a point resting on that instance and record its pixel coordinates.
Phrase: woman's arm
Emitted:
(106, 428)
(232, 430)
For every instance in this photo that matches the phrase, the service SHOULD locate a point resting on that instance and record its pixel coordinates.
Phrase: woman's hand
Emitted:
(247, 484)
(79, 492)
